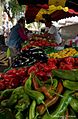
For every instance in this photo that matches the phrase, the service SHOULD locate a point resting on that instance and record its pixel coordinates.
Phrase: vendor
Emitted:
(50, 30)
(17, 37)
(51, 33)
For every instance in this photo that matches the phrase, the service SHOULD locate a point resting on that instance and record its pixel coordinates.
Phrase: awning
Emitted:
(35, 13)
(58, 9)
(72, 4)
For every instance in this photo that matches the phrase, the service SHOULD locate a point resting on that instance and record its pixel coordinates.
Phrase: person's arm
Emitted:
(22, 34)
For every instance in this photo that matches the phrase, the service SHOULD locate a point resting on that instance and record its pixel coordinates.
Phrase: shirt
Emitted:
(16, 37)
(54, 31)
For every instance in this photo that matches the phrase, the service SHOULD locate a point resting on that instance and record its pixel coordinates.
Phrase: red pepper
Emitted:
(11, 71)
(49, 102)
(14, 83)
(67, 115)
(32, 69)
(52, 60)
(22, 73)
(7, 78)
(41, 73)
(44, 90)
(41, 66)
(1, 75)
(69, 60)
(23, 82)
(35, 83)
(75, 67)
(66, 66)
(47, 68)
(2, 85)
(76, 61)
(13, 75)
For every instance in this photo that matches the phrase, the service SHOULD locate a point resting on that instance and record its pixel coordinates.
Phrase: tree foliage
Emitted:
(15, 7)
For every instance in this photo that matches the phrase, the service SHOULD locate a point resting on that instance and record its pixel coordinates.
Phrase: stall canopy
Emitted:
(58, 9)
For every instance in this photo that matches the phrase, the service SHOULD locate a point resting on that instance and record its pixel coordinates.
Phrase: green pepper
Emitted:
(61, 107)
(74, 104)
(23, 104)
(35, 95)
(19, 115)
(49, 102)
(6, 93)
(66, 74)
(4, 103)
(19, 91)
(39, 82)
(75, 94)
(28, 82)
(8, 102)
(32, 110)
(70, 85)
(55, 83)
(72, 114)
(6, 113)
(16, 95)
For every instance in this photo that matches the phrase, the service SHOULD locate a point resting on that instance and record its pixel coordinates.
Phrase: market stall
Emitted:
(41, 83)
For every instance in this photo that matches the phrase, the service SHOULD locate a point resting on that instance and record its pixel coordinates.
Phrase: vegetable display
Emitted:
(29, 57)
(49, 99)
(16, 77)
(40, 86)
(68, 52)
(39, 43)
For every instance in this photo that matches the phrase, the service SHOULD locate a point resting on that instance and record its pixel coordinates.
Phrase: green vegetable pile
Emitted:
(55, 98)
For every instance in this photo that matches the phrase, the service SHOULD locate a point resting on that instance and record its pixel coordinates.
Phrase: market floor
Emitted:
(3, 58)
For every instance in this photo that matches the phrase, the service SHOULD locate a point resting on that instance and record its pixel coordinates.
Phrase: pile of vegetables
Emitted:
(45, 88)
(15, 77)
(29, 57)
(37, 99)
(40, 43)
(68, 52)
